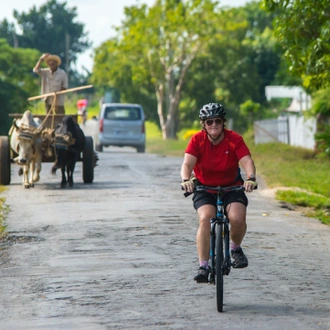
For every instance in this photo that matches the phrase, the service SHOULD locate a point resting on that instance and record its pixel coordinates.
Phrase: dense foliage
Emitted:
(52, 28)
(302, 29)
(17, 82)
(154, 50)
(177, 55)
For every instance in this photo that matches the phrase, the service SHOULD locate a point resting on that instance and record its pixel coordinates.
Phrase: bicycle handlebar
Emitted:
(215, 189)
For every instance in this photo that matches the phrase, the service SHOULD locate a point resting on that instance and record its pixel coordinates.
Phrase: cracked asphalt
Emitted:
(120, 254)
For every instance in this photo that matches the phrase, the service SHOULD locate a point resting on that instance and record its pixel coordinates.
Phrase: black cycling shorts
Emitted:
(201, 198)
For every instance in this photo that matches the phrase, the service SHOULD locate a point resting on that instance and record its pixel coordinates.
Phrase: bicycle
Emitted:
(220, 260)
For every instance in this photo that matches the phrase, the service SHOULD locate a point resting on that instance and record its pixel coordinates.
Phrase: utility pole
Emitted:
(15, 40)
(67, 59)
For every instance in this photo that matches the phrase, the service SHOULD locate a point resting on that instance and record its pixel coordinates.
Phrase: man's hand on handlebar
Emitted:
(188, 185)
(250, 184)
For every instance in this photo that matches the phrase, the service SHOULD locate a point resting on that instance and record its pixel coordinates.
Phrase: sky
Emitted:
(98, 16)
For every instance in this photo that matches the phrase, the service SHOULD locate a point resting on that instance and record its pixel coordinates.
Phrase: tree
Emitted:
(113, 70)
(7, 31)
(236, 56)
(17, 81)
(156, 48)
(236, 66)
(302, 28)
(321, 111)
(52, 28)
(250, 110)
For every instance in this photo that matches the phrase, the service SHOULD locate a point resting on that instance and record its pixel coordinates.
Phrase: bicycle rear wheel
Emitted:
(218, 265)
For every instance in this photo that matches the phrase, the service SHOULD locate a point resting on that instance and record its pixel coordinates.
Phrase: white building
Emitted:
(292, 128)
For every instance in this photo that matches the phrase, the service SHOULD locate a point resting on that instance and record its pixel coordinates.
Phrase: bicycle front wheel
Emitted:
(218, 265)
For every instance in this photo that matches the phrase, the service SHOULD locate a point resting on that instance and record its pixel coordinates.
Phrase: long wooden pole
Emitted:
(60, 92)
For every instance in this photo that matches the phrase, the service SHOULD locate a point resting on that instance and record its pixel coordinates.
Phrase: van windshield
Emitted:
(122, 113)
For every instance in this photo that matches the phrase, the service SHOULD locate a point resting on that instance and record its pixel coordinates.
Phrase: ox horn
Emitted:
(15, 124)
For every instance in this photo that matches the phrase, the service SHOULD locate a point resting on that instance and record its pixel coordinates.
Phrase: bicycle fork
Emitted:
(212, 251)
(227, 260)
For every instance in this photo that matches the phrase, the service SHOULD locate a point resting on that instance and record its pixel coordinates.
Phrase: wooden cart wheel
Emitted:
(4, 160)
(88, 160)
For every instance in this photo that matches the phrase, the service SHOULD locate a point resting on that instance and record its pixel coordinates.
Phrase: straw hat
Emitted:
(53, 58)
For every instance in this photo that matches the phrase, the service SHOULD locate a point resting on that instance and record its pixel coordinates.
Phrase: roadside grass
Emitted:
(317, 206)
(299, 176)
(3, 213)
(155, 143)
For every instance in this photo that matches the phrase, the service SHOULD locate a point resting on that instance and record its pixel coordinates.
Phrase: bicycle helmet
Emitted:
(212, 110)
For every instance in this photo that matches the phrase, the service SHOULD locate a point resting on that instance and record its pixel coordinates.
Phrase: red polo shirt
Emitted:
(217, 165)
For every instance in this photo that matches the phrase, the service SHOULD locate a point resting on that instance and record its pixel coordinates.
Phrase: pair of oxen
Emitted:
(30, 141)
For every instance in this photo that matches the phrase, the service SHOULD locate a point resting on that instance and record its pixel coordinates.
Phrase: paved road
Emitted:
(120, 254)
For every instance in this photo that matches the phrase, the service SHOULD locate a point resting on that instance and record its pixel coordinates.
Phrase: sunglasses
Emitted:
(210, 122)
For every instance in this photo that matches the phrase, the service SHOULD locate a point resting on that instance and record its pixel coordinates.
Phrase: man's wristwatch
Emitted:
(252, 178)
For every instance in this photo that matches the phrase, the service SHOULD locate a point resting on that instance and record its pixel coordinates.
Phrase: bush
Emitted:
(187, 135)
(323, 141)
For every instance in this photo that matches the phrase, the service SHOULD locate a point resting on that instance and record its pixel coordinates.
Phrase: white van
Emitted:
(121, 125)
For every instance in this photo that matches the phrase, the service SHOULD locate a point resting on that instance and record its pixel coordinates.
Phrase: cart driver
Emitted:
(53, 79)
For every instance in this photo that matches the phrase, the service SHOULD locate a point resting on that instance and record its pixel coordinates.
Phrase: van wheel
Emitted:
(99, 147)
(141, 149)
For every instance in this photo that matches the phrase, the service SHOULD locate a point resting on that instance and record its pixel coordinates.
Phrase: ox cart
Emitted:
(88, 157)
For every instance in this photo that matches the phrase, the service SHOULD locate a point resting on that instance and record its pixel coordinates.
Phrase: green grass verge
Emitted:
(155, 143)
(301, 171)
(3, 213)
(317, 206)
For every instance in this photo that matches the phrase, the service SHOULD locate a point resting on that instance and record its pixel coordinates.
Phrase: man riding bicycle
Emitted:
(213, 156)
